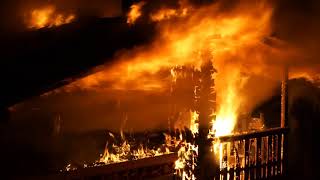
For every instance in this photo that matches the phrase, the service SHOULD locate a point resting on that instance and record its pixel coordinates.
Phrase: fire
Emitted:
(186, 156)
(48, 17)
(165, 14)
(125, 152)
(234, 39)
(135, 12)
(229, 105)
(194, 125)
(230, 36)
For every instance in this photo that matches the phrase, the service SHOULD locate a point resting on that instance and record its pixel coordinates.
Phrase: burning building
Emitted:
(170, 89)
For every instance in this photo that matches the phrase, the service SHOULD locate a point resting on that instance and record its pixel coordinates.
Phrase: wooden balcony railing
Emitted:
(256, 155)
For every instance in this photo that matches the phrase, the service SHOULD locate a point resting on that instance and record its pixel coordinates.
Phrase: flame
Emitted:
(48, 17)
(194, 125)
(229, 104)
(135, 12)
(233, 38)
(236, 35)
(126, 152)
(167, 13)
(186, 155)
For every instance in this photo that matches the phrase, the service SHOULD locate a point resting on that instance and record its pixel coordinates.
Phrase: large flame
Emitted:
(235, 39)
(229, 104)
(48, 16)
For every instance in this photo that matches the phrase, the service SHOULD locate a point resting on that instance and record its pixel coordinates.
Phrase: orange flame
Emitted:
(234, 38)
(135, 12)
(229, 104)
(165, 14)
(124, 152)
(48, 17)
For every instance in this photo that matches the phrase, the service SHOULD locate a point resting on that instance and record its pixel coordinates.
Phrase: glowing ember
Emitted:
(48, 17)
(135, 12)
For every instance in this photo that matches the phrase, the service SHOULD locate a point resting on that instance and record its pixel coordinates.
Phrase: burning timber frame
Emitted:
(253, 155)
(262, 153)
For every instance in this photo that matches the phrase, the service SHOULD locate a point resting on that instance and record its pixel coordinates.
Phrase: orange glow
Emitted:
(124, 152)
(194, 125)
(165, 14)
(234, 38)
(229, 104)
(135, 12)
(48, 17)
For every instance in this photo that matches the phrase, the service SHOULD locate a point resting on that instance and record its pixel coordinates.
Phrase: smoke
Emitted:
(297, 23)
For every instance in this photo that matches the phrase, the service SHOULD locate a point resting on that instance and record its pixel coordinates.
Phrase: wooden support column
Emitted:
(284, 118)
(206, 167)
(284, 99)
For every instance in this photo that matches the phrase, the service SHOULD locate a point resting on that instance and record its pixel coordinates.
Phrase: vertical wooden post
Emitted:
(238, 166)
(258, 159)
(284, 99)
(279, 145)
(284, 118)
(269, 163)
(246, 159)
(231, 173)
(225, 161)
(274, 152)
(206, 163)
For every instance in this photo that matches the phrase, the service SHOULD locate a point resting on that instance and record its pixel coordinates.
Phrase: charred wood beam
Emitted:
(148, 167)
(256, 134)
(206, 164)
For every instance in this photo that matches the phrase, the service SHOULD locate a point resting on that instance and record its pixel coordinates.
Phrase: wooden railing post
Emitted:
(246, 159)
(258, 158)
(284, 117)
(279, 141)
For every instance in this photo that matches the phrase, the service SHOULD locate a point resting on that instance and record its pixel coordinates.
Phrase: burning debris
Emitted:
(127, 152)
